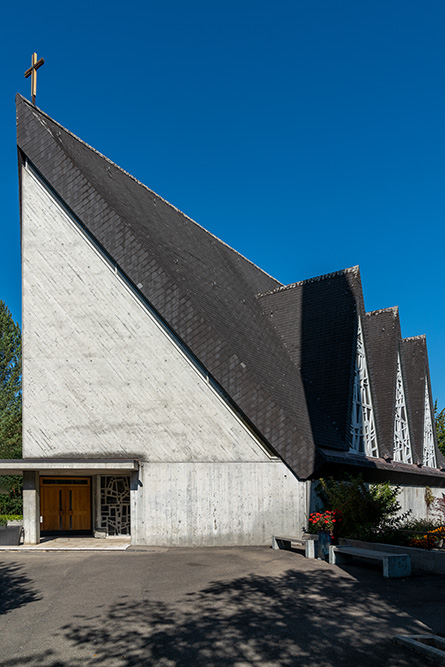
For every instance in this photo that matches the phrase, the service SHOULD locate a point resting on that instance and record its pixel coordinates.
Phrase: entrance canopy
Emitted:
(78, 466)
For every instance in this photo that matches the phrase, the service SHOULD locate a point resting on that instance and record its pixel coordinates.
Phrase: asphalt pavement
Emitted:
(215, 606)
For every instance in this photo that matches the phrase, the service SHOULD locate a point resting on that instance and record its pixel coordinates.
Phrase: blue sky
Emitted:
(310, 136)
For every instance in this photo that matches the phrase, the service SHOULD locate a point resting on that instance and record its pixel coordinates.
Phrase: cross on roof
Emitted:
(32, 72)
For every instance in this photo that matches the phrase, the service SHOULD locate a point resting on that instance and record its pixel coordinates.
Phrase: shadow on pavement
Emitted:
(16, 589)
(44, 658)
(304, 618)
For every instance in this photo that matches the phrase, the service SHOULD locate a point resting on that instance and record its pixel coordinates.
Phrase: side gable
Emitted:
(383, 336)
(317, 322)
(413, 353)
(414, 357)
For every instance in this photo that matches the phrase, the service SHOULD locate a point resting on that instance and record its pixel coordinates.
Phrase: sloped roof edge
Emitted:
(393, 309)
(135, 180)
(203, 290)
(308, 281)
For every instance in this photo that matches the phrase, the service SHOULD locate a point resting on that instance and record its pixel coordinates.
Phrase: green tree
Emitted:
(440, 427)
(10, 406)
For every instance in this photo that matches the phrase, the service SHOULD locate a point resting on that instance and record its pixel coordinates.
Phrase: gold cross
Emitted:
(32, 72)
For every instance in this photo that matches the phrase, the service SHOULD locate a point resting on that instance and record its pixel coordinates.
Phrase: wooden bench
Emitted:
(394, 565)
(286, 542)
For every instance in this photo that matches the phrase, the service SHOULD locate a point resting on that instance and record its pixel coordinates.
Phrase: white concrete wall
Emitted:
(217, 504)
(101, 374)
(413, 498)
(103, 377)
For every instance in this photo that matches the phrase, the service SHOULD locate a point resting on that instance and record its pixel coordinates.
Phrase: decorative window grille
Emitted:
(363, 433)
(402, 441)
(429, 452)
(115, 505)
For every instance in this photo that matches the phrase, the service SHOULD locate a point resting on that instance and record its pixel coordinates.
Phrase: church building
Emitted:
(175, 392)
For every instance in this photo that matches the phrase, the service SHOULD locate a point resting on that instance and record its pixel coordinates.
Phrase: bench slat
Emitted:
(365, 553)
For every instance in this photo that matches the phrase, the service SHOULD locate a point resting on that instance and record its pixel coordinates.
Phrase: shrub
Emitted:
(4, 518)
(13, 502)
(429, 541)
(12, 517)
(367, 511)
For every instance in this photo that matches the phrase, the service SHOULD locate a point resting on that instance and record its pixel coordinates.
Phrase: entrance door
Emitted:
(65, 504)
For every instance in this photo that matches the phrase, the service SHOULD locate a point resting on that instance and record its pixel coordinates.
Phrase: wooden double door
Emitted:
(65, 505)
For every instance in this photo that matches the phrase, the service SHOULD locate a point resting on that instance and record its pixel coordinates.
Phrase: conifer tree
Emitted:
(440, 427)
(10, 406)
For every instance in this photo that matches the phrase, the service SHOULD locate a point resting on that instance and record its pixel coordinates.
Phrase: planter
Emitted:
(324, 540)
(10, 535)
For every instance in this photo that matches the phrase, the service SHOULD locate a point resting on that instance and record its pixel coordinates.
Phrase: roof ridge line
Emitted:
(316, 279)
(415, 337)
(394, 309)
(165, 201)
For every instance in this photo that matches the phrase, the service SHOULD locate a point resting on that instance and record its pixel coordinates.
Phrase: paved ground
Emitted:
(73, 544)
(240, 606)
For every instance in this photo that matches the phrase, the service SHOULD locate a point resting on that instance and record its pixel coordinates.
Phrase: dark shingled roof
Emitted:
(203, 289)
(317, 321)
(289, 372)
(383, 339)
(414, 357)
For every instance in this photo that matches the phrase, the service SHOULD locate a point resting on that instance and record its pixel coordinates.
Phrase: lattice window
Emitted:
(402, 441)
(115, 505)
(363, 433)
(429, 451)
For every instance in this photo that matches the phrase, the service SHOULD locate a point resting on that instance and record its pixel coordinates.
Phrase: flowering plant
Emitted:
(434, 541)
(324, 520)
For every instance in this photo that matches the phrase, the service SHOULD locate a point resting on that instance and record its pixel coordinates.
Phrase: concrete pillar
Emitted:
(136, 511)
(31, 507)
(98, 509)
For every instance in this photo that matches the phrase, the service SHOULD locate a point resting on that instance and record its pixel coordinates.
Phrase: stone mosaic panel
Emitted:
(115, 505)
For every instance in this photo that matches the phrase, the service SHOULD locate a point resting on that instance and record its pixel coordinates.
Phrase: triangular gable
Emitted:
(414, 359)
(383, 338)
(116, 381)
(316, 320)
(382, 331)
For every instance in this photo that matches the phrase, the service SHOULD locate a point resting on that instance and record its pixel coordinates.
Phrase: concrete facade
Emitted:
(413, 498)
(103, 376)
(217, 504)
